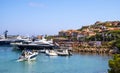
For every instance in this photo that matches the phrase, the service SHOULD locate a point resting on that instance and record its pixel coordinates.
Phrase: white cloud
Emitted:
(33, 4)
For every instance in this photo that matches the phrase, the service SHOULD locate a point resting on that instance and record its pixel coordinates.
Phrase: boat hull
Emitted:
(35, 47)
(51, 53)
(64, 53)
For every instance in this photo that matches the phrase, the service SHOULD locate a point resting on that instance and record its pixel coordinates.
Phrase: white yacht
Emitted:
(28, 56)
(43, 41)
(37, 44)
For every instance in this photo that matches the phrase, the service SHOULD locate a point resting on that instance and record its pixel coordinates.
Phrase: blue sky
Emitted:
(40, 17)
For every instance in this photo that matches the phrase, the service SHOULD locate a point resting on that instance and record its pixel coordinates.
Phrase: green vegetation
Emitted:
(114, 64)
(97, 37)
(111, 37)
(107, 24)
(117, 44)
(48, 37)
(116, 36)
(84, 27)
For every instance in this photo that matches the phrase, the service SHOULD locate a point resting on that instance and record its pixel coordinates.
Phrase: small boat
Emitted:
(51, 52)
(63, 52)
(28, 56)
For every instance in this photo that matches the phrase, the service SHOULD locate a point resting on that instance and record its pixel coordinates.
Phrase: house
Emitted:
(115, 23)
(69, 33)
(61, 33)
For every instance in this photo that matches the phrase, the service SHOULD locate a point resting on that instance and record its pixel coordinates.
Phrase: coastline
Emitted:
(83, 48)
(88, 49)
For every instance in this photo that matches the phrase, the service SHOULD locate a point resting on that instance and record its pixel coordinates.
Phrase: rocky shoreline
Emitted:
(77, 47)
(99, 50)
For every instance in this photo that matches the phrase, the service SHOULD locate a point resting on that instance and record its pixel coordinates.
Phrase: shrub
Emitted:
(114, 64)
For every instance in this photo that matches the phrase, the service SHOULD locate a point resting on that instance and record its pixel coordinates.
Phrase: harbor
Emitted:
(77, 63)
(59, 36)
(71, 51)
(30, 56)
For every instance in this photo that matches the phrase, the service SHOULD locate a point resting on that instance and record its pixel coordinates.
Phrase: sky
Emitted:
(40, 17)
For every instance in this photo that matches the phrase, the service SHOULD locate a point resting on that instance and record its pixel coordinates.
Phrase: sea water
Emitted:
(77, 63)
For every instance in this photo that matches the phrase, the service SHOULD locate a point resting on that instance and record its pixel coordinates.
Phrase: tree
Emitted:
(117, 44)
(114, 64)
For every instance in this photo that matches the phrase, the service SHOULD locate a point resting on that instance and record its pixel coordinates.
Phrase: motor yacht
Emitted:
(28, 56)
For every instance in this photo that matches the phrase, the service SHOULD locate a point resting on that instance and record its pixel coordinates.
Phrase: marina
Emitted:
(60, 36)
(77, 63)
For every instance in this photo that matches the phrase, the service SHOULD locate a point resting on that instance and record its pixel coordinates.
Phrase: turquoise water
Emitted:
(78, 63)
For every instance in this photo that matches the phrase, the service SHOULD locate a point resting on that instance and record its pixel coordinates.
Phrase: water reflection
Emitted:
(28, 66)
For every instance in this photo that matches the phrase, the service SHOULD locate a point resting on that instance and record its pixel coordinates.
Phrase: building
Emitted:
(69, 33)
